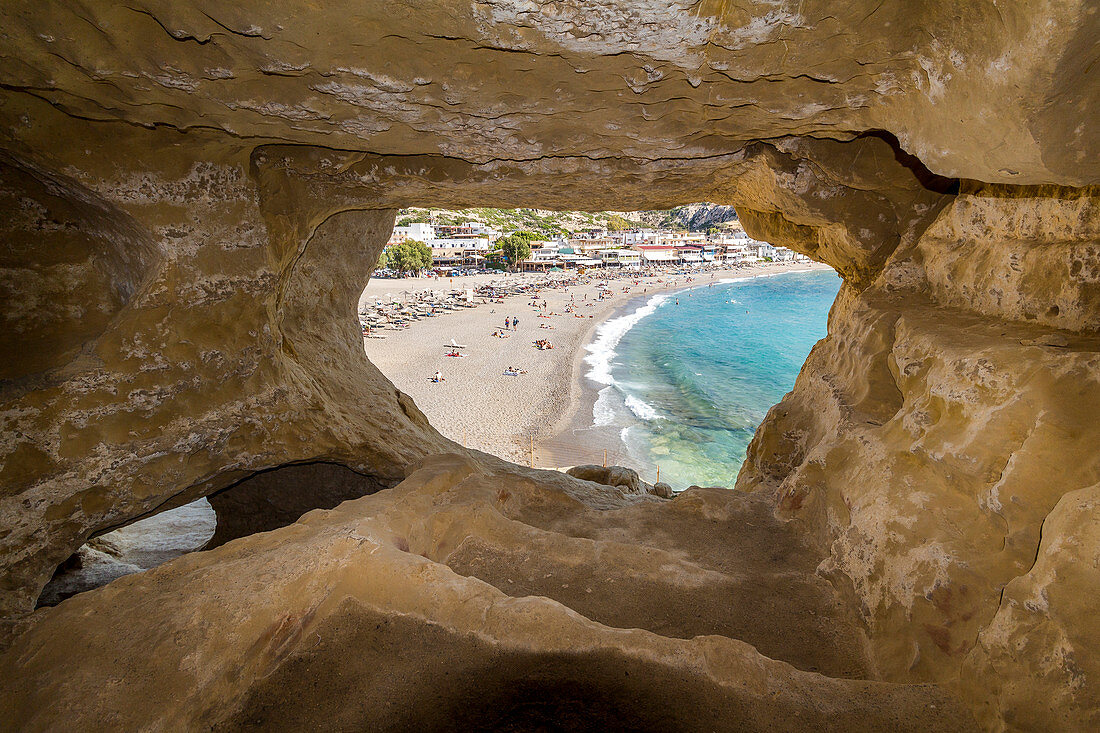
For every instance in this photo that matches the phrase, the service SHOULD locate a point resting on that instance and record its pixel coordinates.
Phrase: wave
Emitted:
(641, 408)
(608, 334)
(602, 411)
(763, 274)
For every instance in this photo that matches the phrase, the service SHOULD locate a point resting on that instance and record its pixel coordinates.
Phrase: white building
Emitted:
(683, 238)
(736, 237)
(544, 254)
(468, 230)
(763, 250)
(476, 243)
(419, 231)
(736, 252)
(619, 257)
(639, 236)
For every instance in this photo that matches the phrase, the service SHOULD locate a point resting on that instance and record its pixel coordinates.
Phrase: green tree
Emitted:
(383, 260)
(409, 256)
(516, 247)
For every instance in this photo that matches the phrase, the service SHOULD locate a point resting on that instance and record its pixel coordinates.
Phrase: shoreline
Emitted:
(577, 423)
(549, 406)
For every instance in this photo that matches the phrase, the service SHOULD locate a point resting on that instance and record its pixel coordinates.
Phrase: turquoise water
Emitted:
(687, 377)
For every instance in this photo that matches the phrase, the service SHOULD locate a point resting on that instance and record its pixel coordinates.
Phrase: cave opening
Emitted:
(260, 502)
(567, 338)
(134, 548)
(192, 203)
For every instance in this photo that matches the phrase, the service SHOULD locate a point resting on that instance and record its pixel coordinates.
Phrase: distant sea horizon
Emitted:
(686, 377)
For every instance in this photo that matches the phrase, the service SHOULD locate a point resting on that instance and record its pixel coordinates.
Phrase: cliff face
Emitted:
(943, 436)
(193, 196)
(701, 216)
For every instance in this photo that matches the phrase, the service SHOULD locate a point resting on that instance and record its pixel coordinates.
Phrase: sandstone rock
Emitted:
(928, 440)
(372, 616)
(1040, 616)
(658, 81)
(1050, 339)
(192, 194)
(662, 490)
(214, 369)
(617, 476)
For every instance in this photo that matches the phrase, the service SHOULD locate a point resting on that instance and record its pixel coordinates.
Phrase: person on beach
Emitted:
(438, 377)
(515, 323)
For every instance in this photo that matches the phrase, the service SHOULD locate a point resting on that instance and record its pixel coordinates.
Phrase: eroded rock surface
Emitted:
(521, 81)
(192, 195)
(932, 439)
(411, 607)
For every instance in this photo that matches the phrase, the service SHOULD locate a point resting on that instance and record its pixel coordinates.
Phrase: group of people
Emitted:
(510, 323)
(543, 344)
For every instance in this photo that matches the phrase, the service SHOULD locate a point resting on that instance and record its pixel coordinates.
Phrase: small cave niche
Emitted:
(263, 501)
(131, 549)
(276, 497)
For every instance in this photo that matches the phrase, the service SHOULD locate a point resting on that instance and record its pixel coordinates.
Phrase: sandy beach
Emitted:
(482, 407)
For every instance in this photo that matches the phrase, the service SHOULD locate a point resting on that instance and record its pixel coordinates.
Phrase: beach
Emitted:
(534, 416)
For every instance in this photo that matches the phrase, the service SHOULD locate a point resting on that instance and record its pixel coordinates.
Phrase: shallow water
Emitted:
(688, 376)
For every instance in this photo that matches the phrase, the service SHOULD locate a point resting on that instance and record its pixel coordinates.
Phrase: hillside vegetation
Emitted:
(696, 217)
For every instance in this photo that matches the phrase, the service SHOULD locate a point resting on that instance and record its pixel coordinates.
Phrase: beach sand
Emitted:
(478, 405)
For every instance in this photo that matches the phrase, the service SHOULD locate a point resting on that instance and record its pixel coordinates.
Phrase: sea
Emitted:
(685, 377)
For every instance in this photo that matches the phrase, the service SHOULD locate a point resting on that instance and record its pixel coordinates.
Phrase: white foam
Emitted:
(641, 408)
(602, 349)
(602, 412)
(763, 274)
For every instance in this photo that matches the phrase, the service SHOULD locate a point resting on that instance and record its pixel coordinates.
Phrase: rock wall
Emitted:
(944, 433)
(192, 195)
(240, 352)
(229, 355)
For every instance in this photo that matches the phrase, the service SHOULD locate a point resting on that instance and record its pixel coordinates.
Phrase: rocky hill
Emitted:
(695, 217)
(700, 217)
